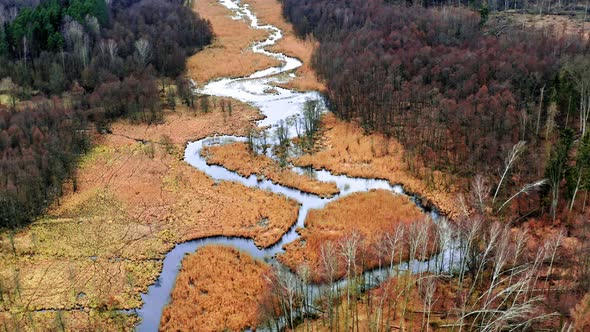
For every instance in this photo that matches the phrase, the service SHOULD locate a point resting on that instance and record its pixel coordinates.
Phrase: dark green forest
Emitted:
(82, 63)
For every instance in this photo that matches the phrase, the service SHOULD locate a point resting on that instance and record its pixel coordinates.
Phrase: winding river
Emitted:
(276, 104)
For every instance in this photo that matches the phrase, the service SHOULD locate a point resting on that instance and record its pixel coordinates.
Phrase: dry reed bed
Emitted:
(230, 54)
(218, 289)
(551, 23)
(76, 320)
(348, 150)
(368, 214)
(237, 157)
(103, 244)
(270, 11)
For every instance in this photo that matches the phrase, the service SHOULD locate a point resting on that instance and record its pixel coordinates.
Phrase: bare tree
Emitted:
(524, 190)
(329, 266)
(144, 52)
(480, 191)
(578, 70)
(427, 290)
(348, 250)
(77, 40)
(109, 48)
(539, 111)
(509, 162)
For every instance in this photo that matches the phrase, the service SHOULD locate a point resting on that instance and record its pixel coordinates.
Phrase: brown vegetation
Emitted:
(185, 125)
(135, 198)
(218, 289)
(75, 320)
(381, 309)
(230, 54)
(557, 23)
(370, 215)
(348, 150)
(238, 158)
(269, 11)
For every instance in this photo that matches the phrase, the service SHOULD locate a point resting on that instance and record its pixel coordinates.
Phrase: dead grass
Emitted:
(270, 11)
(218, 289)
(237, 157)
(559, 24)
(103, 244)
(389, 318)
(369, 214)
(77, 320)
(230, 54)
(185, 125)
(348, 150)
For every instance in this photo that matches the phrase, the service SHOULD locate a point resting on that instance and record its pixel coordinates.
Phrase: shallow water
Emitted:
(276, 104)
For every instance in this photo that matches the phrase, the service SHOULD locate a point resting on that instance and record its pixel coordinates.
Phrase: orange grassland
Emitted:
(100, 246)
(270, 11)
(238, 158)
(218, 289)
(370, 214)
(347, 149)
(230, 54)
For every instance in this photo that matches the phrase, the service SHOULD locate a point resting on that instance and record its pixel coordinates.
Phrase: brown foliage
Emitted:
(237, 157)
(581, 314)
(218, 288)
(348, 150)
(269, 11)
(369, 214)
(230, 54)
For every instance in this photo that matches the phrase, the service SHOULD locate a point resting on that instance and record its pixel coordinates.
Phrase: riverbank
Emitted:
(347, 149)
(370, 216)
(218, 288)
(102, 245)
(237, 157)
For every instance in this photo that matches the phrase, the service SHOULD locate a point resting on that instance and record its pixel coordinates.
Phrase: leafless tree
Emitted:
(144, 51)
(524, 190)
(77, 40)
(480, 191)
(578, 69)
(109, 48)
(329, 266)
(348, 249)
(427, 290)
(509, 162)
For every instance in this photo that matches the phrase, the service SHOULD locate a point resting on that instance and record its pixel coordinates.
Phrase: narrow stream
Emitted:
(276, 104)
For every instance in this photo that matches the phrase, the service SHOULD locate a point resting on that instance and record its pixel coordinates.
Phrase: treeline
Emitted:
(60, 42)
(570, 7)
(457, 93)
(38, 150)
(503, 279)
(96, 61)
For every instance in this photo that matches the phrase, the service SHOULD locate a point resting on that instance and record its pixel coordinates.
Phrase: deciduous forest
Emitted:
(501, 107)
(457, 93)
(98, 62)
(437, 180)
